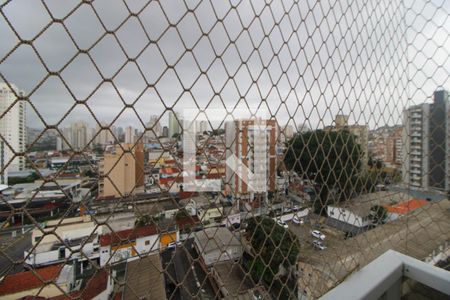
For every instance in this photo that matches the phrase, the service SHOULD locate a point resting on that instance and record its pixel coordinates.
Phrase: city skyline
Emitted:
(223, 149)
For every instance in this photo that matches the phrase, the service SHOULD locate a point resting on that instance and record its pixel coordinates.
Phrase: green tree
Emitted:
(143, 221)
(378, 214)
(331, 159)
(181, 214)
(275, 246)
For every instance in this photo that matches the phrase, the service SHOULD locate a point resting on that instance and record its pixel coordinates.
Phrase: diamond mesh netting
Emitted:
(219, 149)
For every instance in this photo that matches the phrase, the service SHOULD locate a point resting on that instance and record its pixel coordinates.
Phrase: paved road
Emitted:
(416, 235)
(13, 252)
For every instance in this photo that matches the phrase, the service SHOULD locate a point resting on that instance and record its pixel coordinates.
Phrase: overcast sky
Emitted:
(319, 59)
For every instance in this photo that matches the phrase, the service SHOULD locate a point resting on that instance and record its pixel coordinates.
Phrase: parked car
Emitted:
(297, 220)
(287, 210)
(171, 245)
(319, 245)
(282, 224)
(318, 234)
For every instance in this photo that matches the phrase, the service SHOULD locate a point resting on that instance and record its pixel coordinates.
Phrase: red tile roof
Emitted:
(28, 280)
(185, 195)
(406, 207)
(169, 171)
(170, 180)
(187, 221)
(115, 238)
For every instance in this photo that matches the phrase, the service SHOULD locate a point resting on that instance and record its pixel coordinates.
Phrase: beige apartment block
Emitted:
(124, 168)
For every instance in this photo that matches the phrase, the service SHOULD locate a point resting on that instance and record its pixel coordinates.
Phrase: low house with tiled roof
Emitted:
(217, 244)
(99, 286)
(44, 282)
(64, 239)
(128, 244)
(56, 282)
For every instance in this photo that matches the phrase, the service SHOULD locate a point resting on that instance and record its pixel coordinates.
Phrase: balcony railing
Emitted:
(384, 279)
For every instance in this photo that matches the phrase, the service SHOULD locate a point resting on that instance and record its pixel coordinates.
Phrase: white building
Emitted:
(12, 130)
(129, 135)
(131, 244)
(426, 151)
(154, 128)
(78, 135)
(80, 236)
(354, 217)
(217, 244)
(202, 126)
(105, 137)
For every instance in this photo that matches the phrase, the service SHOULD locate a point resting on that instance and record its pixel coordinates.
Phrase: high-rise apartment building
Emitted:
(202, 126)
(243, 140)
(394, 147)
(154, 129)
(81, 135)
(130, 135)
(78, 135)
(174, 126)
(427, 144)
(105, 136)
(12, 130)
(165, 131)
(124, 168)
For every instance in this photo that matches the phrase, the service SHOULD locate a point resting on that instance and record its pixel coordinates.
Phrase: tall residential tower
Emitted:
(427, 144)
(12, 130)
(252, 144)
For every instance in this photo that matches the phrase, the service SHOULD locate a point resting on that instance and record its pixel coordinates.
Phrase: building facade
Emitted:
(77, 137)
(386, 144)
(12, 131)
(105, 136)
(154, 129)
(427, 147)
(174, 125)
(130, 135)
(123, 171)
(256, 150)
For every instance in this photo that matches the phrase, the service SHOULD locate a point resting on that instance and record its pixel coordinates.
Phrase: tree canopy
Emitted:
(275, 246)
(378, 214)
(331, 159)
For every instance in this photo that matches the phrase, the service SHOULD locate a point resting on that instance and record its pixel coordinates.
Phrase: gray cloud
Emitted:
(319, 60)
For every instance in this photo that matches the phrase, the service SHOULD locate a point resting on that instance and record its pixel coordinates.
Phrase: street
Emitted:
(417, 234)
(185, 279)
(13, 252)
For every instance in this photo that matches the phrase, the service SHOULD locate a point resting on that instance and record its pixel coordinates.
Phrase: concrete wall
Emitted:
(42, 258)
(151, 241)
(346, 216)
(72, 231)
(230, 253)
(140, 247)
(288, 217)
